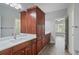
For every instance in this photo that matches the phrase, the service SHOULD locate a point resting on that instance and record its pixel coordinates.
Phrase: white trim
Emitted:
(0, 26)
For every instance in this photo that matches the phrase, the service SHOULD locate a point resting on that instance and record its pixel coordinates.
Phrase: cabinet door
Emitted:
(19, 47)
(34, 47)
(48, 37)
(39, 45)
(44, 41)
(20, 52)
(6, 52)
(40, 23)
(31, 22)
(23, 22)
(28, 50)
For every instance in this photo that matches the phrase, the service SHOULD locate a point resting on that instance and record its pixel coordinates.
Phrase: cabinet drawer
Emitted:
(39, 45)
(28, 50)
(19, 52)
(6, 52)
(28, 43)
(19, 47)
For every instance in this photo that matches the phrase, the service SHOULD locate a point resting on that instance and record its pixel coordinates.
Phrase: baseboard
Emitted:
(45, 48)
(42, 50)
(68, 51)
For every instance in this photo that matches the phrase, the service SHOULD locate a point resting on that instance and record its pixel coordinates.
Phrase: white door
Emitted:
(0, 26)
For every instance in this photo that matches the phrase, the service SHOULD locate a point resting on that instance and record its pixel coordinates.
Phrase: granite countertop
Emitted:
(8, 42)
(46, 32)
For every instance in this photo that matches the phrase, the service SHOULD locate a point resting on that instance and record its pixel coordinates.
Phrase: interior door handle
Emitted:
(75, 26)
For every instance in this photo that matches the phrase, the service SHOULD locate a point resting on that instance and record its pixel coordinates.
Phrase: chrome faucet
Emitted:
(14, 35)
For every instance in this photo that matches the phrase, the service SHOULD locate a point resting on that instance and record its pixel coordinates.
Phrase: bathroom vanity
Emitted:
(23, 45)
(32, 38)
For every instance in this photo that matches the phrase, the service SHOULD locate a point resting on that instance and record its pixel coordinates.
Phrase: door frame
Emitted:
(67, 33)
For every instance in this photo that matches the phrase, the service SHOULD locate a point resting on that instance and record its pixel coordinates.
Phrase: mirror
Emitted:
(9, 20)
(33, 14)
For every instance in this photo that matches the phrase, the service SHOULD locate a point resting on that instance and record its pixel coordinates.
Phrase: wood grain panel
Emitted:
(19, 47)
(6, 52)
(31, 22)
(34, 26)
(34, 51)
(23, 22)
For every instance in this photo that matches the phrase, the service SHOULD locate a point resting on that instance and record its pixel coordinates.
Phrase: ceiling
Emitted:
(46, 7)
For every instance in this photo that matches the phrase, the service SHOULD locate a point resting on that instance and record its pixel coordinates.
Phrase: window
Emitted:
(17, 26)
(61, 28)
(60, 25)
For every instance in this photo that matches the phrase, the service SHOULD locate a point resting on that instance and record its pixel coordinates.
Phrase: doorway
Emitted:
(66, 33)
(61, 41)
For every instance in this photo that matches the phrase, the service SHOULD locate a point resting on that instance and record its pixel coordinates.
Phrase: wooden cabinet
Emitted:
(40, 23)
(6, 52)
(34, 24)
(44, 42)
(19, 49)
(23, 21)
(28, 23)
(48, 36)
(28, 49)
(25, 48)
(19, 52)
(39, 45)
(34, 49)
(31, 47)
(46, 39)
(33, 21)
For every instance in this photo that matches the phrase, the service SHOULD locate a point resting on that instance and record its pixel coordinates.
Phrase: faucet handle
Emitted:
(12, 34)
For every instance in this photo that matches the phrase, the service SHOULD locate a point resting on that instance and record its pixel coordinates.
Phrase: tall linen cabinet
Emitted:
(33, 22)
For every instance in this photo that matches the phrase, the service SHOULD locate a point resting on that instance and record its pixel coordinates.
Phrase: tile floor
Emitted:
(57, 49)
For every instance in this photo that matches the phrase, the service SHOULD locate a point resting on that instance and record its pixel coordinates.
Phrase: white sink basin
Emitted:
(8, 42)
(22, 38)
(4, 44)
